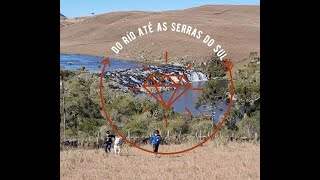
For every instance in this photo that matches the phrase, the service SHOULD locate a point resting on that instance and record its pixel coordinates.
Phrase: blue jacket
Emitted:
(155, 139)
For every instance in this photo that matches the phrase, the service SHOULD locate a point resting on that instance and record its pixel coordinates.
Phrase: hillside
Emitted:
(235, 27)
(62, 17)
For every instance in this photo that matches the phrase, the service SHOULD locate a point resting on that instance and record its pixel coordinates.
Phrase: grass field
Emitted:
(214, 160)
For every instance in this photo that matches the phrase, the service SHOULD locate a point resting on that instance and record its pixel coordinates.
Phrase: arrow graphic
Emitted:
(105, 62)
(166, 57)
(228, 64)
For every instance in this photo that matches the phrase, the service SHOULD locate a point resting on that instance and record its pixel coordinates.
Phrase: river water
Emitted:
(91, 63)
(187, 100)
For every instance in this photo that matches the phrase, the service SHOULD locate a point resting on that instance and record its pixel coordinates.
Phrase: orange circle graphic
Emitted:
(227, 66)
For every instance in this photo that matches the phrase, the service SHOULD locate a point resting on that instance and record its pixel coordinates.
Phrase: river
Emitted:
(187, 100)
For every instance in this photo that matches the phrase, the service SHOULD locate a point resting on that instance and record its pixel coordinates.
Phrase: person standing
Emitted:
(108, 141)
(155, 141)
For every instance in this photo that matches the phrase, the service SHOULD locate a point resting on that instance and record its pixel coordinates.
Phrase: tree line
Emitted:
(83, 115)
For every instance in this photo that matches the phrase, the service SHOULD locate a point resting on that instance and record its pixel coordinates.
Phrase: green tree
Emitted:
(247, 86)
(67, 74)
(214, 68)
(249, 125)
(79, 106)
(246, 92)
(90, 125)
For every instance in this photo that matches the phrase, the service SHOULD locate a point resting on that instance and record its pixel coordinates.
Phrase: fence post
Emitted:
(98, 138)
(129, 135)
(82, 142)
(256, 136)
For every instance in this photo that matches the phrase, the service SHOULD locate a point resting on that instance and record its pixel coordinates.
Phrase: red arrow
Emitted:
(167, 121)
(106, 61)
(166, 57)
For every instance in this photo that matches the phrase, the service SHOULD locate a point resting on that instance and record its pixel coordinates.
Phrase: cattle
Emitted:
(133, 140)
(202, 138)
(71, 143)
(231, 138)
(244, 139)
(93, 143)
(177, 140)
(145, 140)
(165, 140)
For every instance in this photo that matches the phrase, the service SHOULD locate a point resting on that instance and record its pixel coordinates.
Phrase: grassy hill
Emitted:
(235, 27)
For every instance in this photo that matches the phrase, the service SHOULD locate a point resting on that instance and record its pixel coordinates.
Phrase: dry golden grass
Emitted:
(214, 160)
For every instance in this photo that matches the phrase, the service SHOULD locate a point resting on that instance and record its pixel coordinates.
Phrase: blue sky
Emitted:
(76, 8)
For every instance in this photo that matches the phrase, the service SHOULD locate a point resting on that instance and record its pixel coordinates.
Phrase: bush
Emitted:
(137, 126)
(177, 125)
(67, 74)
(249, 125)
(90, 126)
(203, 126)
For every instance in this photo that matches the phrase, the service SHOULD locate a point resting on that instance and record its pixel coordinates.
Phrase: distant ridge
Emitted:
(62, 17)
(235, 27)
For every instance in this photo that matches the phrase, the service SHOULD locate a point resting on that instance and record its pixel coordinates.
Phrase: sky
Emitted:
(77, 8)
